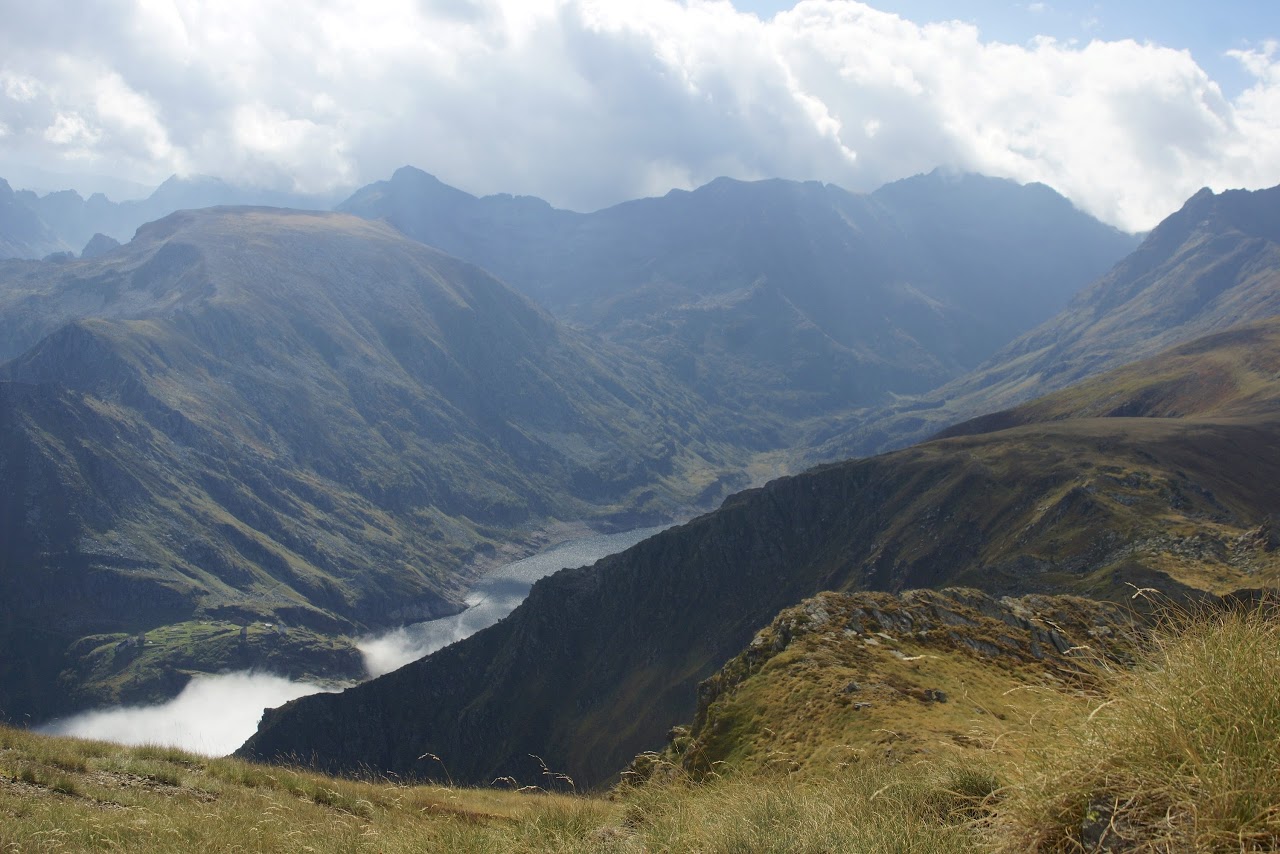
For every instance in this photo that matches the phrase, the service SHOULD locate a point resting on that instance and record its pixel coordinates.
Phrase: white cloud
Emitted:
(70, 129)
(213, 715)
(588, 102)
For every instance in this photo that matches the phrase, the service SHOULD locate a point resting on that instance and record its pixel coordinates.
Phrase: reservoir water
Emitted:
(494, 596)
(216, 714)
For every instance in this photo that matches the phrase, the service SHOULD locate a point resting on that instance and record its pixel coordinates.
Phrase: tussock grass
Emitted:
(163, 800)
(1179, 754)
(866, 806)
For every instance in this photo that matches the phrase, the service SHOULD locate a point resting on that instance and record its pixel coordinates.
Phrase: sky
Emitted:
(1127, 108)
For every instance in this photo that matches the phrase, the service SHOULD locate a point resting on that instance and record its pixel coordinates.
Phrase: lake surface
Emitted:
(216, 714)
(494, 596)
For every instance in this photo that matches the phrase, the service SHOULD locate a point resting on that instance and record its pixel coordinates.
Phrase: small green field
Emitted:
(153, 666)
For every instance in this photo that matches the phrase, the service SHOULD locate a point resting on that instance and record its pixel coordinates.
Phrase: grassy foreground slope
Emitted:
(841, 678)
(1176, 752)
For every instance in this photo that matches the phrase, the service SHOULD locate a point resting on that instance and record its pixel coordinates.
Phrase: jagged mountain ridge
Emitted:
(23, 234)
(70, 221)
(261, 413)
(1210, 266)
(897, 291)
(600, 661)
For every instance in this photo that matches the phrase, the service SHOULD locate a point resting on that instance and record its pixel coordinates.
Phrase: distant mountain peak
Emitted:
(413, 173)
(99, 244)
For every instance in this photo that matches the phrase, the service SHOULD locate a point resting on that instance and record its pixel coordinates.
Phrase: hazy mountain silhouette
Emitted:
(782, 297)
(23, 234)
(74, 220)
(1211, 265)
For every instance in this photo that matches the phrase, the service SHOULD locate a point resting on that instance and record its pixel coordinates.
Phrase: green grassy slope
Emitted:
(937, 722)
(843, 677)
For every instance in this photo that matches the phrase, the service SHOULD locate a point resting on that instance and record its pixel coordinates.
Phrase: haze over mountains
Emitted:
(64, 221)
(777, 297)
(1209, 266)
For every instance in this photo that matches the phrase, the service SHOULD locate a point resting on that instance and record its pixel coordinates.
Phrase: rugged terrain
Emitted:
(259, 414)
(842, 677)
(782, 300)
(599, 662)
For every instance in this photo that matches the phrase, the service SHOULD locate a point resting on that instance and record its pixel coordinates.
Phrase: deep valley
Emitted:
(910, 488)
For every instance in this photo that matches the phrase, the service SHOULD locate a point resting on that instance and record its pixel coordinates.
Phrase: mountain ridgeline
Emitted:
(600, 661)
(23, 234)
(64, 222)
(779, 299)
(297, 417)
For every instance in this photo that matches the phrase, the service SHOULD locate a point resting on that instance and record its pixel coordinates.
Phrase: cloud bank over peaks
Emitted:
(590, 102)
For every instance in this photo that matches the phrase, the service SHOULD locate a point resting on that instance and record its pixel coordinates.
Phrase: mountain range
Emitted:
(250, 415)
(778, 299)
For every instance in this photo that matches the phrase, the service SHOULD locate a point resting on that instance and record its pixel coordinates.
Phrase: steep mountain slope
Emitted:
(1228, 374)
(600, 661)
(1212, 265)
(268, 414)
(778, 297)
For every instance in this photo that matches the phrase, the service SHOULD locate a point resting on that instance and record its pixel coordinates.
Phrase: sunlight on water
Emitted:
(493, 597)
